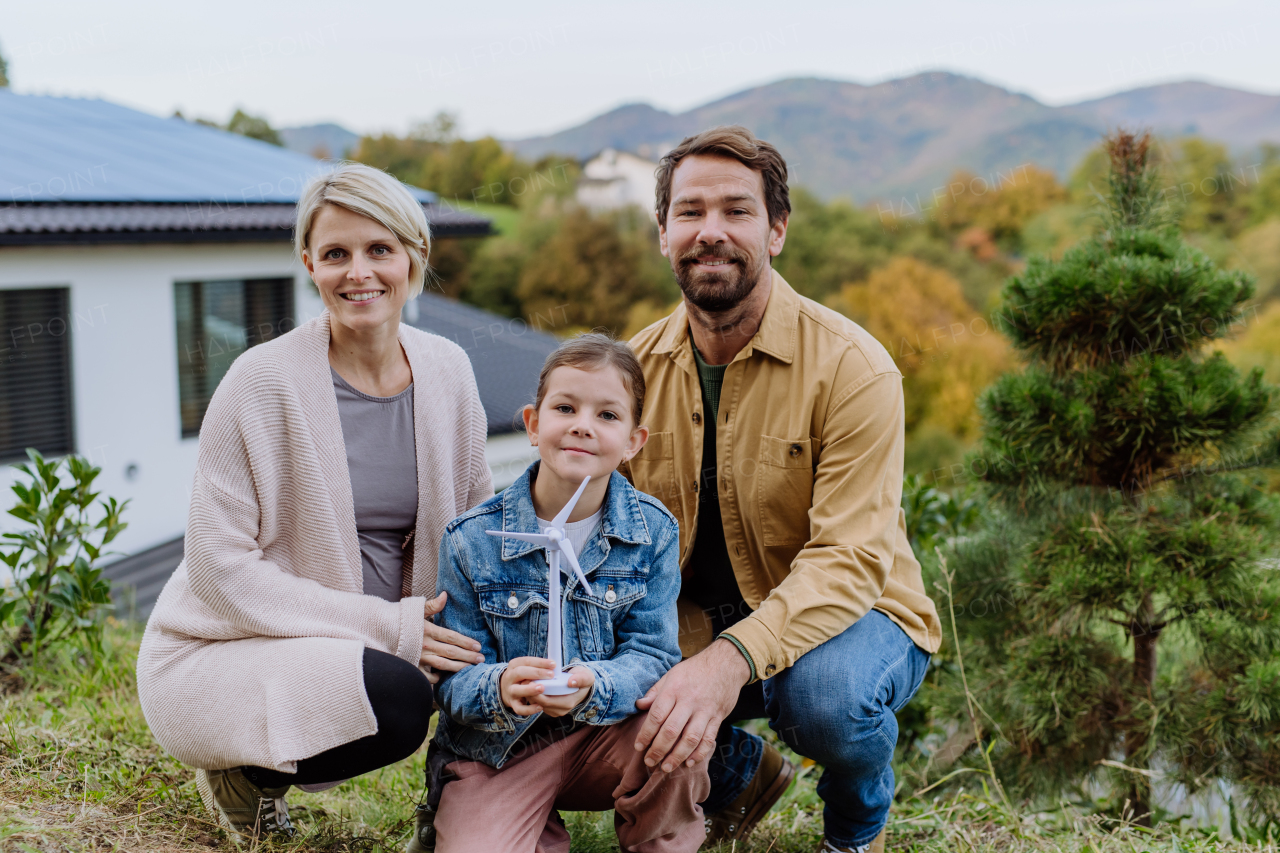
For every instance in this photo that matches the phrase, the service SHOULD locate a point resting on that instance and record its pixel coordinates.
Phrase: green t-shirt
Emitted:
(711, 377)
(711, 583)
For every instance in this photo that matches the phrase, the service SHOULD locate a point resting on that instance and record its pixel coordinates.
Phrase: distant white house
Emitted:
(138, 257)
(615, 179)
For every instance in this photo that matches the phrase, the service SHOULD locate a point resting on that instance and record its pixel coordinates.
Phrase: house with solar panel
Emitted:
(139, 256)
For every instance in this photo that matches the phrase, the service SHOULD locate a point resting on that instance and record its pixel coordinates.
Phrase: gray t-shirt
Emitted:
(383, 463)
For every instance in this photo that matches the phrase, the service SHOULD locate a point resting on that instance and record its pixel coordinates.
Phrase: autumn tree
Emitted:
(1123, 610)
(1207, 188)
(998, 207)
(946, 350)
(830, 244)
(593, 270)
(1259, 254)
(465, 171)
(254, 127)
(1263, 198)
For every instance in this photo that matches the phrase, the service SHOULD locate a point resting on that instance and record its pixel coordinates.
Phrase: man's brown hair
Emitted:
(592, 351)
(737, 143)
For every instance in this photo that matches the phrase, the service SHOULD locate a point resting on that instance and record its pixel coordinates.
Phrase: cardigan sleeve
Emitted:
(228, 571)
(481, 486)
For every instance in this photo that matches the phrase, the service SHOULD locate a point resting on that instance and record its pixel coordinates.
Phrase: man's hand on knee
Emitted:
(688, 704)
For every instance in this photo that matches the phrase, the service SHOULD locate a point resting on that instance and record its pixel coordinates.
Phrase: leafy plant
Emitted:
(56, 594)
(933, 516)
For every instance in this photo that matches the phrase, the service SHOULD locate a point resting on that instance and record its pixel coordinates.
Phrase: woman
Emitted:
(285, 649)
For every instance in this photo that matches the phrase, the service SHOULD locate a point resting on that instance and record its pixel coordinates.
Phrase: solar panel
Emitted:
(77, 149)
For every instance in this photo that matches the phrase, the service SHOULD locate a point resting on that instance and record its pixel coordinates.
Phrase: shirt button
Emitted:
(513, 602)
(770, 669)
(795, 451)
(697, 418)
(611, 596)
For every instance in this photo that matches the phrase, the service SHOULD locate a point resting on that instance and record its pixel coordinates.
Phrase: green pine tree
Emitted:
(1123, 611)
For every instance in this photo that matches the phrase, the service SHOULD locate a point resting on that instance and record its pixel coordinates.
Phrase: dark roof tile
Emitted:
(506, 354)
(46, 223)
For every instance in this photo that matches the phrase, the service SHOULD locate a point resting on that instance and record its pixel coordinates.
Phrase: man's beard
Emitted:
(716, 292)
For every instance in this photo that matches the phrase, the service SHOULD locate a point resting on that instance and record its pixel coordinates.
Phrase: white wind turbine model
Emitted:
(553, 539)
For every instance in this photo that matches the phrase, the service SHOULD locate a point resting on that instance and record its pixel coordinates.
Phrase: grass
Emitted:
(79, 771)
(504, 216)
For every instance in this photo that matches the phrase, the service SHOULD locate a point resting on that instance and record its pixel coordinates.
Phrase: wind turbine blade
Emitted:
(535, 538)
(563, 515)
(566, 548)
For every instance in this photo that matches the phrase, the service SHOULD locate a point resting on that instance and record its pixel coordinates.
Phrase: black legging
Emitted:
(401, 698)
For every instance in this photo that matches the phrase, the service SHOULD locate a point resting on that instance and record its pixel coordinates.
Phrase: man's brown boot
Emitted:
(243, 809)
(736, 820)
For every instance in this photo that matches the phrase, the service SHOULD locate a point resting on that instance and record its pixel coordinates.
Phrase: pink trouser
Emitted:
(594, 769)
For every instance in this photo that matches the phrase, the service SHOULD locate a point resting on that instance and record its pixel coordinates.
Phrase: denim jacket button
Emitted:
(591, 714)
(611, 596)
(513, 602)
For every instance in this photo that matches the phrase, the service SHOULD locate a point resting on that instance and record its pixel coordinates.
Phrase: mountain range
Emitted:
(902, 137)
(324, 141)
(907, 136)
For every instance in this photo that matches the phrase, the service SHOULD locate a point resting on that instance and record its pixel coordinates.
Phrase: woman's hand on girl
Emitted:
(523, 695)
(443, 649)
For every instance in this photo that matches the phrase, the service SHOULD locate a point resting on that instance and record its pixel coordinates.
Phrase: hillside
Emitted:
(907, 136)
(1240, 119)
(331, 140)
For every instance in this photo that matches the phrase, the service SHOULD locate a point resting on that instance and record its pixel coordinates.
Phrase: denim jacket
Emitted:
(624, 630)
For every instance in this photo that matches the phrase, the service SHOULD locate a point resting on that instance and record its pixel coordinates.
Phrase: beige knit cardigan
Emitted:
(253, 654)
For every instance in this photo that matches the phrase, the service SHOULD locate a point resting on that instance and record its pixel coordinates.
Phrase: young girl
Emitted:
(520, 755)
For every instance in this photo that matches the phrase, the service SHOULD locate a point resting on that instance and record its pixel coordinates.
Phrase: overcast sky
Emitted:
(515, 69)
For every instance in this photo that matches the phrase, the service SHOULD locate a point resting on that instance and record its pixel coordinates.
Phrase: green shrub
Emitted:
(56, 595)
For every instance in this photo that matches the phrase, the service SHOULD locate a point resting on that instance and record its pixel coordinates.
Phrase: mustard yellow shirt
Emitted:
(809, 440)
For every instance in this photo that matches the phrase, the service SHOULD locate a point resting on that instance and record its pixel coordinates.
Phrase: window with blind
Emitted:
(35, 373)
(218, 320)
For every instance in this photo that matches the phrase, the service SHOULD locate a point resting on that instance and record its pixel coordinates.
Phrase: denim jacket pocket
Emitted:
(596, 614)
(517, 618)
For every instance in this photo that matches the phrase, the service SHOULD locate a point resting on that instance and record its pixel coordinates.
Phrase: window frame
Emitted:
(283, 321)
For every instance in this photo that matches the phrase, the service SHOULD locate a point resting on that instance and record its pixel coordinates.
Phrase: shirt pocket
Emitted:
(597, 615)
(784, 489)
(653, 470)
(517, 618)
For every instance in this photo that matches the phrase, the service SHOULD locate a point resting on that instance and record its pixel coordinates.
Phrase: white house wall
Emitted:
(124, 362)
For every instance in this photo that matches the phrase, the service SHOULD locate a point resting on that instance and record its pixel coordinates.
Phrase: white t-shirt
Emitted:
(577, 532)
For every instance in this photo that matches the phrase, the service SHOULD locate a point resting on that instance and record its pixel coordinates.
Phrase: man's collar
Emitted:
(776, 335)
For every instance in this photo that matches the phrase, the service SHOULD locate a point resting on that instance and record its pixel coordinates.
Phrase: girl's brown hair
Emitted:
(592, 351)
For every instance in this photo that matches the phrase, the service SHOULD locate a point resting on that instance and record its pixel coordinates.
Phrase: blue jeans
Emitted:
(836, 706)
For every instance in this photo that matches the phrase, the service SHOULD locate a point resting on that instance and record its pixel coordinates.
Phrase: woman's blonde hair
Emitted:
(373, 193)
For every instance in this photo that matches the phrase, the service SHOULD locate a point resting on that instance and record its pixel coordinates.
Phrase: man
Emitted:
(776, 440)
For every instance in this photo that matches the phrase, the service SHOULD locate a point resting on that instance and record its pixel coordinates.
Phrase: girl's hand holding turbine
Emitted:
(522, 693)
